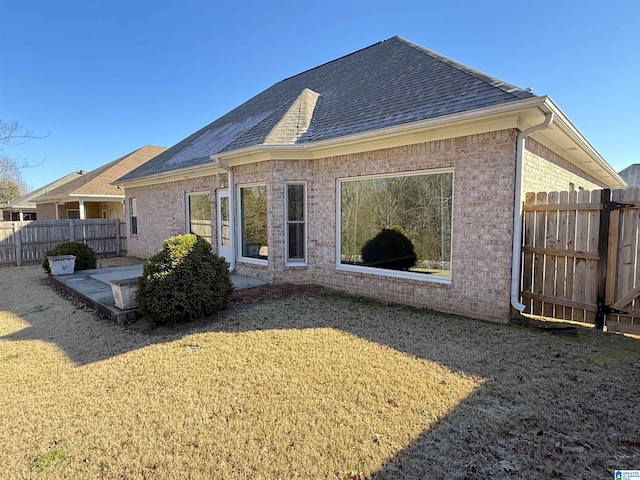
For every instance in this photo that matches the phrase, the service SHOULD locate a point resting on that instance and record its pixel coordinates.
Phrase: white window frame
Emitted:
(293, 262)
(382, 271)
(255, 261)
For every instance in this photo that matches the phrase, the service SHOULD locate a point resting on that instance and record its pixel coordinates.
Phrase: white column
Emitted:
(21, 216)
(82, 214)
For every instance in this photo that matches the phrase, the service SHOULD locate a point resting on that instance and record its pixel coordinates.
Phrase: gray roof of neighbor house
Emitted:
(390, 83)
(631, 175)
(26, 201)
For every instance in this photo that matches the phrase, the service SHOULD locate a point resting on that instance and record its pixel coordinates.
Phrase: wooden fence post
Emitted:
(18, 244)
(72, 233)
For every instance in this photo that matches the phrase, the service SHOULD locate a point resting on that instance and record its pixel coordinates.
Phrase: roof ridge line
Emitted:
(466, 69)
(335, 59)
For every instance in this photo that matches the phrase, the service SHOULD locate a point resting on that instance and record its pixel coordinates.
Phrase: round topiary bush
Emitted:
(389, 249)
(85, 257)
(184, 281)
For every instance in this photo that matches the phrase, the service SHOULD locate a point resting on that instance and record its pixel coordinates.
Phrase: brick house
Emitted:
(92, 194)
(292, 183)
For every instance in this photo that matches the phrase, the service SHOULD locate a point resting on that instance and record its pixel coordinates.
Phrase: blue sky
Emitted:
(102, 78)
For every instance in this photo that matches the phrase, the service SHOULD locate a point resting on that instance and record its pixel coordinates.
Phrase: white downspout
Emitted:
(516, 249)
(232, 208)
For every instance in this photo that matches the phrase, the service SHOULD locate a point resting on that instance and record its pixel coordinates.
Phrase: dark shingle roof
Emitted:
(387, 84)
(631, 175)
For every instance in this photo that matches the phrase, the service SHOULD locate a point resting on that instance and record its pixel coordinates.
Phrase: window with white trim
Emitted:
(295, 220)
(253, 237)
(133, 215)
(413, 205)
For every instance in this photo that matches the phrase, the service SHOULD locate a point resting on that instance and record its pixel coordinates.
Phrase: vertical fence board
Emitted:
(632, 196)
(591, 283)
(582, 245)
(571, 246)
(550, 243)
(538, 258)
(527, 260)
(561, 264)
(627, 247)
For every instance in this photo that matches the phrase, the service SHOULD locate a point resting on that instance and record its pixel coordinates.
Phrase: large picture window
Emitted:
(397, 225)
(296, 236)
(199, 215)
(253, 222)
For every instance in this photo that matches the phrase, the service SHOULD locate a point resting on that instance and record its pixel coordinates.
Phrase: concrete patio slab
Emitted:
(93, 288)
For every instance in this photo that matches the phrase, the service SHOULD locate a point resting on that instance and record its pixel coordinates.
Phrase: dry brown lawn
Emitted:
(307, 386)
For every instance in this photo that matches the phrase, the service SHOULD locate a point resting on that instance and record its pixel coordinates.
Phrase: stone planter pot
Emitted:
(124, 292)
(62, 264)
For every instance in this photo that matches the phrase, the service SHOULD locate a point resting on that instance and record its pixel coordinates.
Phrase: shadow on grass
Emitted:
(549, 407)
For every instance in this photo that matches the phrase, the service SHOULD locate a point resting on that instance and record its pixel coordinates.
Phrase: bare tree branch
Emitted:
(12, 133)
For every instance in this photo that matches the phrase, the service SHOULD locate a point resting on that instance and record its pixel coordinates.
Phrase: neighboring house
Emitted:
(631, 175)
(23, 208)
(299, 177)
(92, 195)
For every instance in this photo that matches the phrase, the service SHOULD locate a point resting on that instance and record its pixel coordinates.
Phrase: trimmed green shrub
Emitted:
(85, 257)
(184, 281)
(389, 249)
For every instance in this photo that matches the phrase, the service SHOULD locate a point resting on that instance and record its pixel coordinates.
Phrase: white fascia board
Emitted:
(96, 197)
(567, 141)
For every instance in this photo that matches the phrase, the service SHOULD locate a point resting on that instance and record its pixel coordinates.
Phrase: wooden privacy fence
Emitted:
(22, 242)
(580, 257)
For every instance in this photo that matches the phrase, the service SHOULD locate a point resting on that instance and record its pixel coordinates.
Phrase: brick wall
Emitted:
(481, 229)
(46, 211)
(162, 212)
(484, 171)
(545, 171)
(482, 222)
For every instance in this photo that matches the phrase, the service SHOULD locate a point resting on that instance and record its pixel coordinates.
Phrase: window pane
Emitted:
(295, 199)
(296, 241)
(418, 207)
(253, 213)
(133, 215)
(225, 240)
(200, 216)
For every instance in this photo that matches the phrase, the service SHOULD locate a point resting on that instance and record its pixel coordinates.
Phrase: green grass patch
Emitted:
(51, 458)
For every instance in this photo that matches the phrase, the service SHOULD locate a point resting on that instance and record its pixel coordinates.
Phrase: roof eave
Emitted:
(566, 140)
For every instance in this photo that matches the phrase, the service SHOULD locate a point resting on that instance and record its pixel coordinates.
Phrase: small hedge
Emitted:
(184, 281)
(85, 257)
(389, 249)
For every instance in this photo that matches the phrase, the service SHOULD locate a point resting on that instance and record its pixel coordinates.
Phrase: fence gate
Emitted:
(581, 259)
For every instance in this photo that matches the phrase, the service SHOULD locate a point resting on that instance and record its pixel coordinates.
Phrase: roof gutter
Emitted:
(516, 250)
(232, 210)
